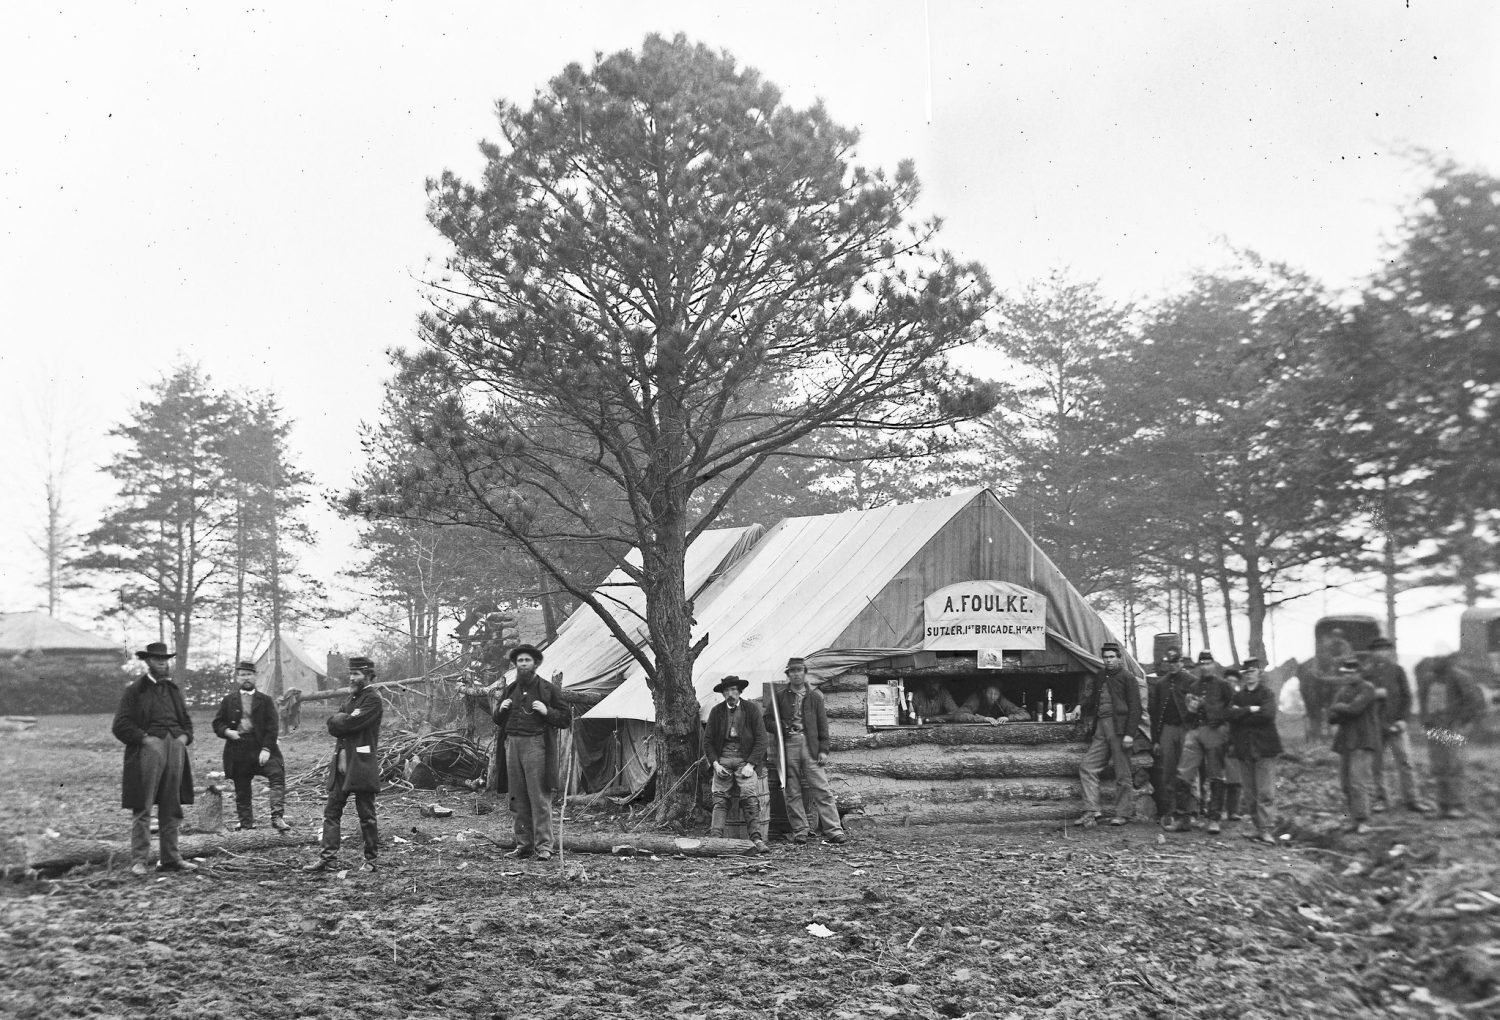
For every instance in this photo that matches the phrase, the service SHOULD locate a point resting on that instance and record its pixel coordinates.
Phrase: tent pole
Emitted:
(780, 744)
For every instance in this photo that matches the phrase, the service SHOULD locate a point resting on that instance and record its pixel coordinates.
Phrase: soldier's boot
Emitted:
(1215, 804)
(1232, 802)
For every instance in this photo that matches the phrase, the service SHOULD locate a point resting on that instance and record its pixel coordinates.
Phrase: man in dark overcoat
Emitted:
(530, 713)
(1385, 672)
(247, 722)
(153, 724)
(1255, 745)
(355, 769)
(1111, 706)
(734, 745)
(1356, 713)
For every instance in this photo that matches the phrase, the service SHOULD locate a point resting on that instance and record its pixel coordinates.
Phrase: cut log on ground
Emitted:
(645, 843)
(997, 813)
(958, 734)
(61, 854)
(882, 790)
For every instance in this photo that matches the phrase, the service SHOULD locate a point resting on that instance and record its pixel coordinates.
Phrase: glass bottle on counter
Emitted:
(1050, 708)
(899, 690)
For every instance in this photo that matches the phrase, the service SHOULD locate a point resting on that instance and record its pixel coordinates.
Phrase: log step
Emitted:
(850, 735)
(873, 791)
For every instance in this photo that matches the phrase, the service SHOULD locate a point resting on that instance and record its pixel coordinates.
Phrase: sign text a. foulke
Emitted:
(984, 614)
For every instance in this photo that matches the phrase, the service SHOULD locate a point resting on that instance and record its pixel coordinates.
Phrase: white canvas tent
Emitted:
(298, 669)
(842, 589)
(845, 589)
(617, 752)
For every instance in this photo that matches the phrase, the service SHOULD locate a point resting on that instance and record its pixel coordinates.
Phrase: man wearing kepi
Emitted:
(803, 747)
(734, 744)
(153, 724)
(530, 713)
(1356, 714)
(247, 723)
(1203, 746)
(1255, 744)
(1395, 716)
(1111, 716)
(355, 769)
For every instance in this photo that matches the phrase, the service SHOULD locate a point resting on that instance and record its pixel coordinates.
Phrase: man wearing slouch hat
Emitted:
(734, 745)
(153, 724)
(530, 713)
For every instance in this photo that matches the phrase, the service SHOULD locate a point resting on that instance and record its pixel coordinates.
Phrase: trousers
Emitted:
(1106, 745)
(530, 801)
(275, 775)
(161, 762)
(753, 800)
(1398, 745)
(333, 817)
(1356, 775)
(1258, 786)
(809, 799)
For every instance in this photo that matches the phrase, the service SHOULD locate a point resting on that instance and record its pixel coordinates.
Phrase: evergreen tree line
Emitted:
(208, 516)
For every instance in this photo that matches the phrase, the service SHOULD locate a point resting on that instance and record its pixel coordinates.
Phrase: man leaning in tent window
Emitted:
(734, 743)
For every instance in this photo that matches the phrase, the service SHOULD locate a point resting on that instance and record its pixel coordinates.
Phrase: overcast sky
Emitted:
(244, 188)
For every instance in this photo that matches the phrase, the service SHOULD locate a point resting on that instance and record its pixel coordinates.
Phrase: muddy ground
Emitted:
(923, 922)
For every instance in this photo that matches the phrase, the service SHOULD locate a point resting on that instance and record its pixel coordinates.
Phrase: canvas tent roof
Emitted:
(37, 632)
(588, 654)
(841, 589)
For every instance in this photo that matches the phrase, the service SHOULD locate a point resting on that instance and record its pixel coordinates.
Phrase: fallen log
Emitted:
(628, 844)
(16, 723)
(61, 854)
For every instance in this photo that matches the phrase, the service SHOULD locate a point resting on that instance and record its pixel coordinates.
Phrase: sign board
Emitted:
(880, 705)
(984, 614)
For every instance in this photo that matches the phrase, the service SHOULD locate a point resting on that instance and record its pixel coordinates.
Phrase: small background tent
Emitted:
(45, 642)
(298, 669)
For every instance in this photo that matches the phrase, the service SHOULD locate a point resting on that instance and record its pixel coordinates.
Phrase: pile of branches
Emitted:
(450, 756)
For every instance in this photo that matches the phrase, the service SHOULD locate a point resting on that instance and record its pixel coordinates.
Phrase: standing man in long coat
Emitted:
(153, 724)
(247, 722)
(355, 769)
(1111, 717)
(530, 713)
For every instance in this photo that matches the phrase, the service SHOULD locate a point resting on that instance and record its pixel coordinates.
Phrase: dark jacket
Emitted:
(1253, 735)
(1124, 692)
(559, 717)
(242, 756)
(1356, 715)
(357, 727)
(1214, 694)
(752, 735)
(1450, 697)
(1172, 688)
(129, 729)
(1389, 677)
(814, 717)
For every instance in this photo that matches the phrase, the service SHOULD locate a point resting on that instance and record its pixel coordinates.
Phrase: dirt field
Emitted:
(922, 922)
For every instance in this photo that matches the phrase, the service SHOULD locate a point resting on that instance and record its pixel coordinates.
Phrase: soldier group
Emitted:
(1213, 740)
(1215, 744)
(153, 723)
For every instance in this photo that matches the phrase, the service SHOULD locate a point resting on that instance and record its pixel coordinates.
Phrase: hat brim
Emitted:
(740, 685)
(156, 655)
(520, 650)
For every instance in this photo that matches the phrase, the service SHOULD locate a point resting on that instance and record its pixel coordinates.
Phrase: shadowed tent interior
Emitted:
(846, 592)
